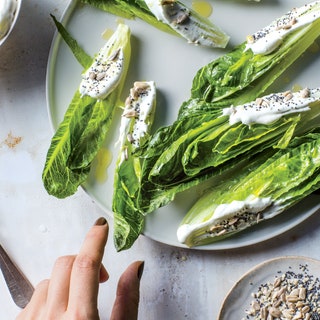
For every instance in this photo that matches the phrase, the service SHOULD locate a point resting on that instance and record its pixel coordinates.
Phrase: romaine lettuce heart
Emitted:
(264, 188)
(86, 122)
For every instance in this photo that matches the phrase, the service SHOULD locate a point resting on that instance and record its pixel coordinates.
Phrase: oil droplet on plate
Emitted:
(120, 20)
(104, 158)
(296, 87)
(202, 7)
(106, 34)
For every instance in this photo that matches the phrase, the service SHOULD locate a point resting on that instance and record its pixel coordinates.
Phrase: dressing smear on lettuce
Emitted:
(272, 107)
(270, 38)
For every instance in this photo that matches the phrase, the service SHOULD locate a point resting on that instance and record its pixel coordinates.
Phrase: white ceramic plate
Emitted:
(240, 296)
(16, 14)
(172, 64)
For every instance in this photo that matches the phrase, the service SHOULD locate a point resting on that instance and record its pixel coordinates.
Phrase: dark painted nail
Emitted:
(140, 270)
(100, 222)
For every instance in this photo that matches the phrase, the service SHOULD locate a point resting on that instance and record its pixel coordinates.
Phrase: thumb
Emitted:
(127, 297)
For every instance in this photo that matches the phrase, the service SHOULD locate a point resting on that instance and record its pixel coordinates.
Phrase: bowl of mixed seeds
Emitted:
(286, 288)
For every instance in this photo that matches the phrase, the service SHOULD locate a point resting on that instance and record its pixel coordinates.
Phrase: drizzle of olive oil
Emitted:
(296, 87)
(202, 7)
(120, 21)
(106, 34)
(103, 160)
(286, 79)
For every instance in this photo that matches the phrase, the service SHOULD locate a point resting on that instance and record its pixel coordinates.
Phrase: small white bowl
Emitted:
(13, 22)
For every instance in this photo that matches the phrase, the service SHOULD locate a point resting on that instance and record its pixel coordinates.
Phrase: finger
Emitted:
(104, 275)
(127, 298)
(85, 276)
(58, 292)
(37, 304)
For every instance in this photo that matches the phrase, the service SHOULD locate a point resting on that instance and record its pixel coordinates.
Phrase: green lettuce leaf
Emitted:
(128, 221)
(83, 58)
(57, 177)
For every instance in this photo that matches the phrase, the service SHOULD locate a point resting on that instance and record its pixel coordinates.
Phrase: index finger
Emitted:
(84, 283)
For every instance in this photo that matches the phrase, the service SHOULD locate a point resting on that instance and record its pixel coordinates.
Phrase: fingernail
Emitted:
(100, 222)
(140, 270)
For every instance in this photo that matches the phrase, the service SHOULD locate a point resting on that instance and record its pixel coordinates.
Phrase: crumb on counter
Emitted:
(11, 141)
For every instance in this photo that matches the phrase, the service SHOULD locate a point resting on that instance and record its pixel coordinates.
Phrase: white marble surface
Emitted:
(36, 228)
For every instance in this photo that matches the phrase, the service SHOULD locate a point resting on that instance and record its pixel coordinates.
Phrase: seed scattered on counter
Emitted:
(292, 296)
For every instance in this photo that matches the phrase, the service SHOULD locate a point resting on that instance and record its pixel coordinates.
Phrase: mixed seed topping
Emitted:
(175, 13)
(292, 296)
(103, 75)
(231, 217)
(272, 107)
(285, 23)
(239, 222)
(137, 114)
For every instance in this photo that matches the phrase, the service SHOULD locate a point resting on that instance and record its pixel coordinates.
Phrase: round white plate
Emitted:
(172, 64)
(240, 296)
(16, 14)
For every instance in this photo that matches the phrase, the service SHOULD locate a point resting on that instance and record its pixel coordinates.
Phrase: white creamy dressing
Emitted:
(223, 212)
(138, 113)
(104, 74)
(272, 107)
(270, 38)
(7, 14)
(145, 104)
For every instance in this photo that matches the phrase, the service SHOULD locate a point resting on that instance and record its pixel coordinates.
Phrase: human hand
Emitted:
(72, 290)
